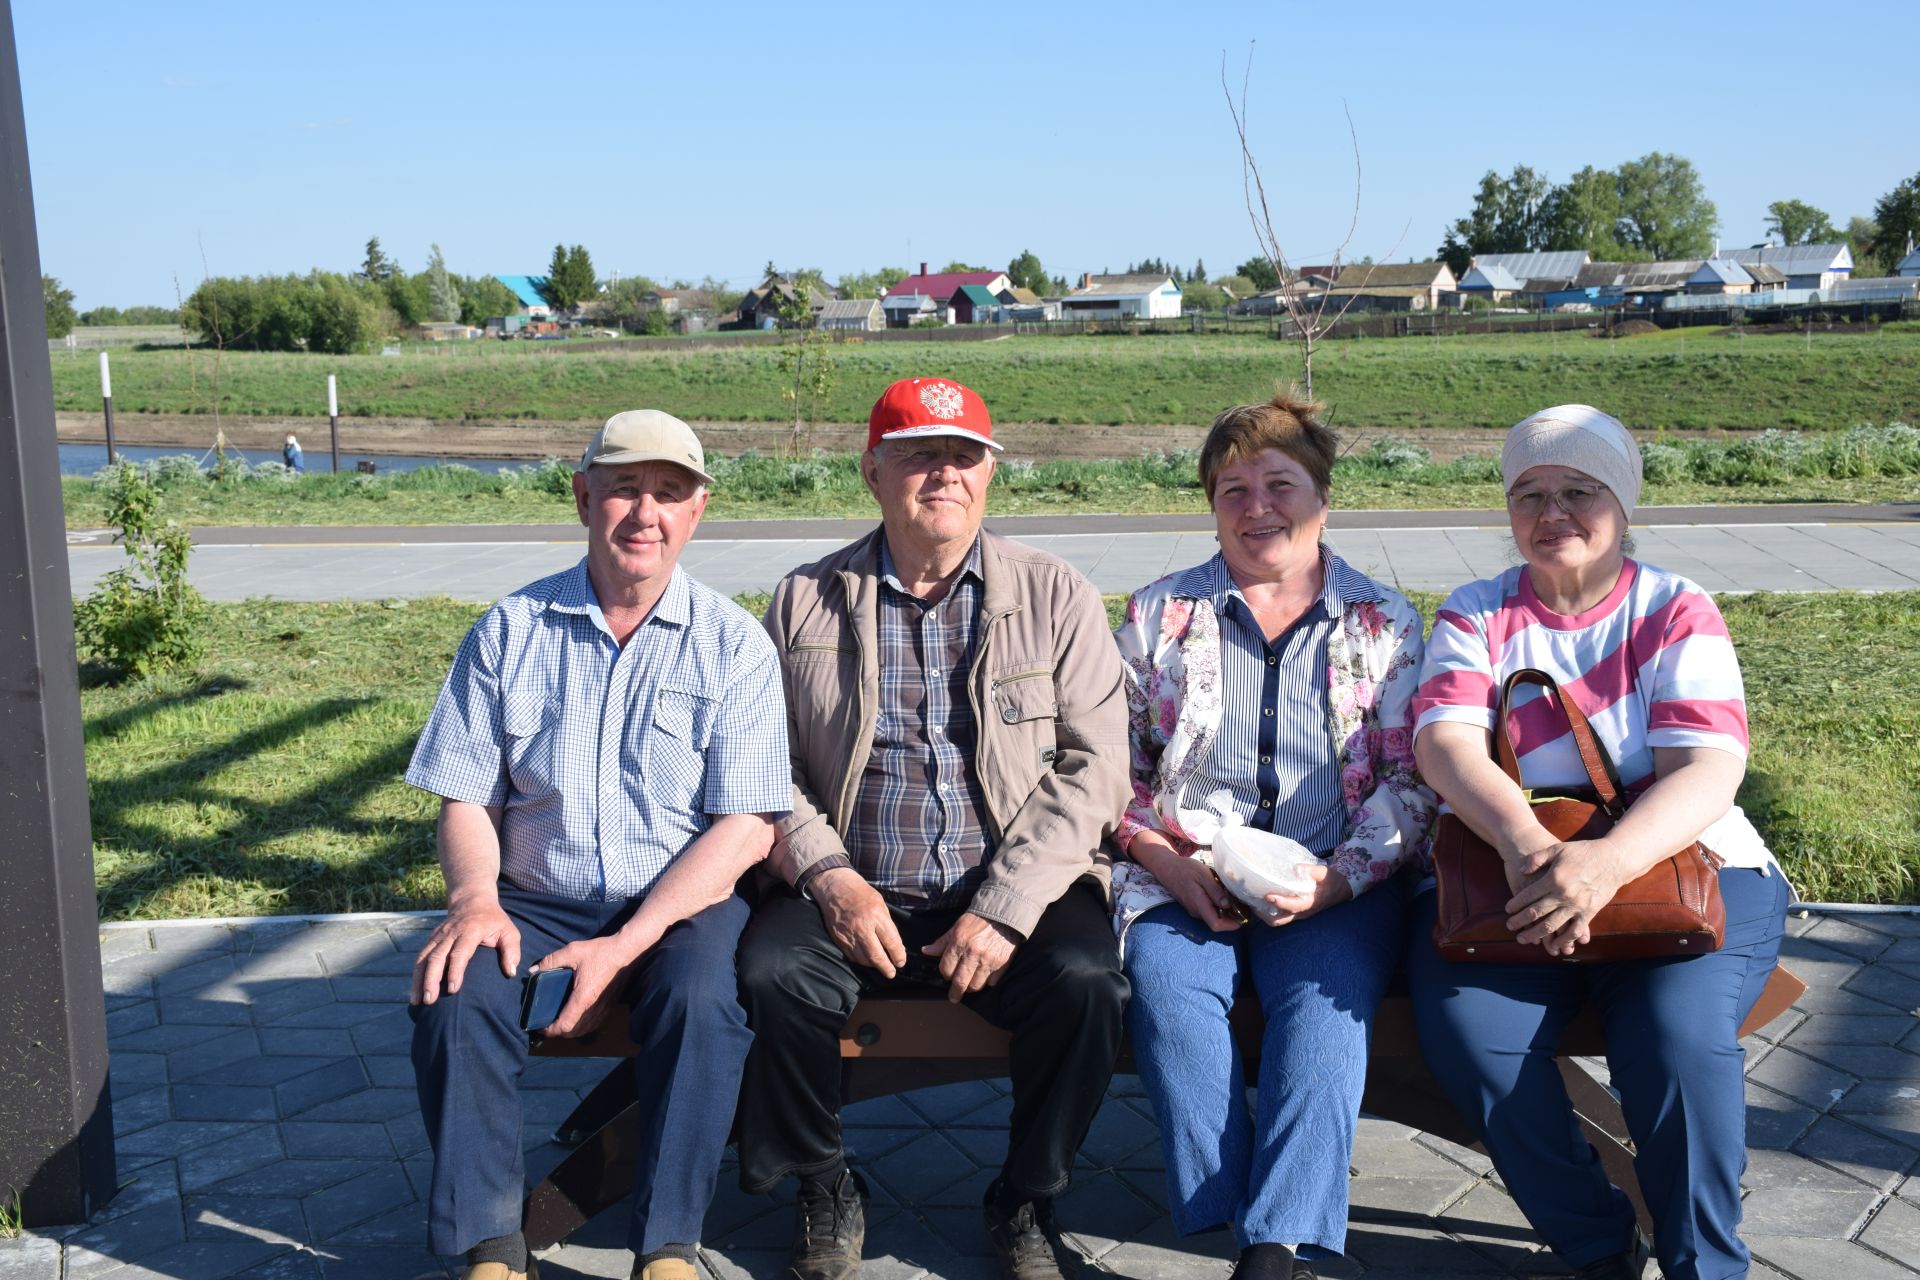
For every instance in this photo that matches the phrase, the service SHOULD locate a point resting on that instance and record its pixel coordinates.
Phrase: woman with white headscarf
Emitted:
(1645, 655)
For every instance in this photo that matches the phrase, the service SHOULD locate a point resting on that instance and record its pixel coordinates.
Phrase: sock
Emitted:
(684, 1252)
(1264, 1262)
(510, 1249)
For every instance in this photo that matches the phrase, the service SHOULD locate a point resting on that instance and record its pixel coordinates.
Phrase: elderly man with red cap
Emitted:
(958, 726)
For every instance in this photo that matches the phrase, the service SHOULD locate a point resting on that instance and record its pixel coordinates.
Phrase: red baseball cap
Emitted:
(929, 407)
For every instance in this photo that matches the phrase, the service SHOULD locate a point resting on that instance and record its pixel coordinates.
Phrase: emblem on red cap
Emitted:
(941, 399)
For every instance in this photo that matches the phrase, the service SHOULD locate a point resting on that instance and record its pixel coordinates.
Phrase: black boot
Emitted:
(831, 1229)
(1631, 1265)
(1022, 1232)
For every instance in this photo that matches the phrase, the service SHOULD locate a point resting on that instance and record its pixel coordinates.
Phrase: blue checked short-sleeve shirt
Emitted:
(608, 761)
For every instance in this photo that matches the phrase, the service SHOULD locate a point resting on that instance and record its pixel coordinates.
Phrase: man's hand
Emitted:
(1329, 890)
(468, 927)
(1567, 885)
(857, 920)
(598, 964)
(973, 954)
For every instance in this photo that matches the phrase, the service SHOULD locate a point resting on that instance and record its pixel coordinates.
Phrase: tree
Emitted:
(1026, 272)
(870, 284)
(956, 265)
(1898, 215)
(1797, 222)
(482, 298)
(806, 358)
(1664, 208)
(378, 268)
(1198, 295)
(1263, 275)
(443, 296)
(59, 304)
(1584, 213)
(1862, 234)
(1199, 271)
(569, 277)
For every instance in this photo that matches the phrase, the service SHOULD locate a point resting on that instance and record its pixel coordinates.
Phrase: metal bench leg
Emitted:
(617, 1090)
(598, 1173)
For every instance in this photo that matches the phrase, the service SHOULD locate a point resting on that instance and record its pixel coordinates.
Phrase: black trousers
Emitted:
(1062, 999)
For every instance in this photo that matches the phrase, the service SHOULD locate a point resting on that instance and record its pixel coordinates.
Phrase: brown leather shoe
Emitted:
(668, 1269)
(500, 1271)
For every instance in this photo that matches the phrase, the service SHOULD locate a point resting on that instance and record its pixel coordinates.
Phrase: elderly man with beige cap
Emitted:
(1645, 655)
(610, 752)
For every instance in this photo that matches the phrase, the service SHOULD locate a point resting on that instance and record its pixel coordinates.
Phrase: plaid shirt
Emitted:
(609, 760)
(918, 832)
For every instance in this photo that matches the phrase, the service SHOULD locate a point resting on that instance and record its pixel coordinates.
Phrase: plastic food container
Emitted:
(1254, 863)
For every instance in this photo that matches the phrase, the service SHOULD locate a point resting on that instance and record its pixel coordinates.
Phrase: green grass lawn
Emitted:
(1681, 379)
(267, 779)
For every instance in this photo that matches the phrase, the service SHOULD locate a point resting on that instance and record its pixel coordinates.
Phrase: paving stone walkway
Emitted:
(267, 1128)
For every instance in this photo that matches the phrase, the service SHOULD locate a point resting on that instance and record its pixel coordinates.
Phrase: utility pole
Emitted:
(56, 1119)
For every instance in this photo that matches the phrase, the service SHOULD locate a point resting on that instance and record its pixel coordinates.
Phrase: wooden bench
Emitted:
(896, 1043)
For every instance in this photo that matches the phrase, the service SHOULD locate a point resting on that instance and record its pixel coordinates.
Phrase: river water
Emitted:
(85, 459)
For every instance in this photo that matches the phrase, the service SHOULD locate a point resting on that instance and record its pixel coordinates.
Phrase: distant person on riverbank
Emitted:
(291, 454)
(611, 753)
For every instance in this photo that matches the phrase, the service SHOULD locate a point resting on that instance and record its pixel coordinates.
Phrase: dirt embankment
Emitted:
(1040, 442)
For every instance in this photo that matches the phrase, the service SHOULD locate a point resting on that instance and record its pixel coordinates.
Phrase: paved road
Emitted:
(267, 1129)
(1723, 549)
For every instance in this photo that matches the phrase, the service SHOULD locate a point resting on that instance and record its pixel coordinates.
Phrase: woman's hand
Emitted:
(1329, 890)
(1565, 886)
(1190, 881)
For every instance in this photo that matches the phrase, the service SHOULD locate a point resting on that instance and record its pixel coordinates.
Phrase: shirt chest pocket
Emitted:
(666, 752)
(530, 725)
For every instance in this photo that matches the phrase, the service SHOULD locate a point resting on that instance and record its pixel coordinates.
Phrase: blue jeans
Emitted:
(1279, 1174)
(469, 1053)
(1489, 1032)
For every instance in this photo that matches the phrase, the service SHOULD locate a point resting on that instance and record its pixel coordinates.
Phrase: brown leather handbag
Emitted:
(1672, 910)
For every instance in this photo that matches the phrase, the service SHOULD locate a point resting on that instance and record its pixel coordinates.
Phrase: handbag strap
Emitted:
(1593, 754)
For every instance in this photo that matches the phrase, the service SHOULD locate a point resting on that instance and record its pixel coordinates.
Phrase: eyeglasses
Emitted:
(1575, 500)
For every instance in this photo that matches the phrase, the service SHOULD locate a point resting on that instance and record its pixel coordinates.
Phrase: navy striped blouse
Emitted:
(1275, 752)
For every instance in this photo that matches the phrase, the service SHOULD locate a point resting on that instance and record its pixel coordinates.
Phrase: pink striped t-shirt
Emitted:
(1650, 666)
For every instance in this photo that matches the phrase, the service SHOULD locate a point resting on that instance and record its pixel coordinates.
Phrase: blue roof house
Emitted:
(530, 291)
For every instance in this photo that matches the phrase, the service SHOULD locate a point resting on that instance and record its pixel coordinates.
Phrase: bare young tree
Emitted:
(1309, 319)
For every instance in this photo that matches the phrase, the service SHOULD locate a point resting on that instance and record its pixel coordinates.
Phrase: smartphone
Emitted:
(544, 995)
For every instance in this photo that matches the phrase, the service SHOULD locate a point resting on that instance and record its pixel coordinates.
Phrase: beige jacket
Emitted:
(1047, 691)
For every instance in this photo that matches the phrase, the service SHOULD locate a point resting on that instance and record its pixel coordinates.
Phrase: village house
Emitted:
(1805, 266)
(1135, 297)
(1394, 286)
(761, 307)
(531, 293)
(925, 295)
(859, 315)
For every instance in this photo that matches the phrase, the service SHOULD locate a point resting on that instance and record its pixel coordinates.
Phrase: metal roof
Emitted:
(1490, 275)
(1909, 265)
(1559, 264)
(527, 289)
(1720, 271)
(944, 284)
(1391, 275)
(1122, 286)
(850, 309)
(976, 294)
(1795, 259)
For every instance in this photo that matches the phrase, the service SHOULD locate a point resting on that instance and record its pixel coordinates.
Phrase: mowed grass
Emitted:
(267, 780)
(1680, 379)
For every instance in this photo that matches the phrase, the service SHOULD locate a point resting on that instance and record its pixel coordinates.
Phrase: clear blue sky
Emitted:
(682, 139)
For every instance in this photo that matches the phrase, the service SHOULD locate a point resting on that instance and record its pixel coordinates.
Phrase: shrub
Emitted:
(145, 616)
(1664, 463)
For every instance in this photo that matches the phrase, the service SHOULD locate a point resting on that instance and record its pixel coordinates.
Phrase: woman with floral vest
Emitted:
(1271, 686)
